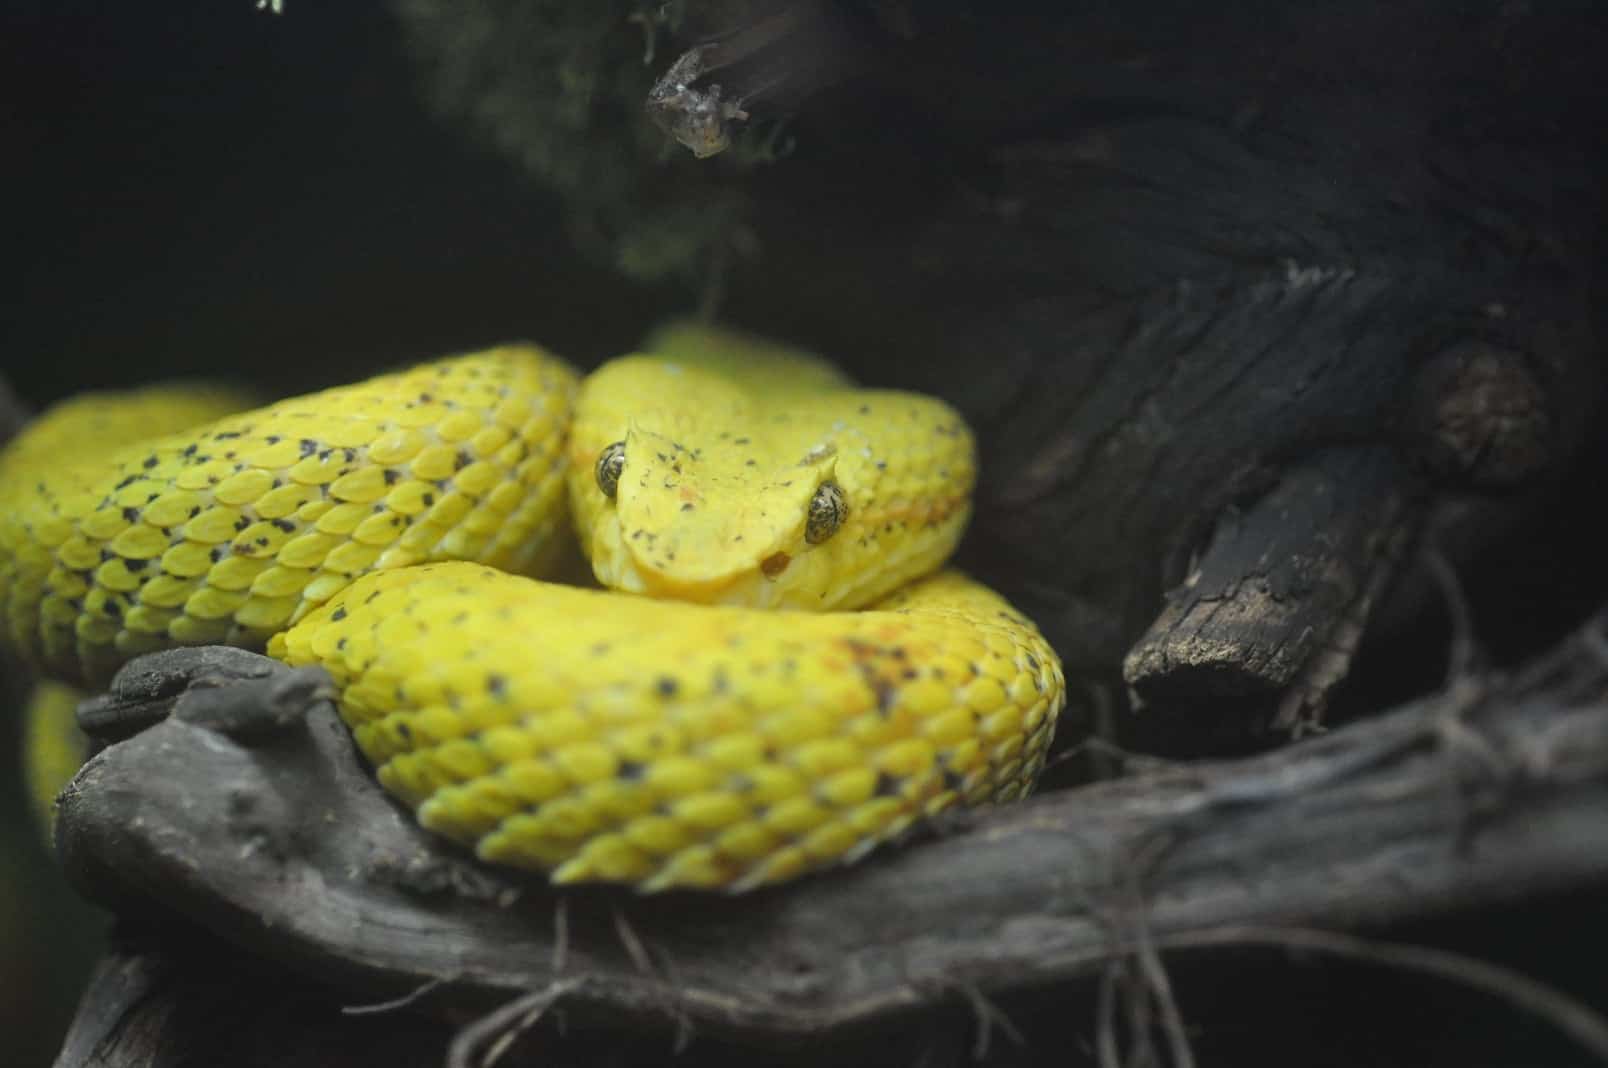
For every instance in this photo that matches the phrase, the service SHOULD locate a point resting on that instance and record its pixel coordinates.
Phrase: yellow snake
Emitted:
(786, 680)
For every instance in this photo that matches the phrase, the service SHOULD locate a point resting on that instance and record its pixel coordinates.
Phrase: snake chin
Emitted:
(780, 578)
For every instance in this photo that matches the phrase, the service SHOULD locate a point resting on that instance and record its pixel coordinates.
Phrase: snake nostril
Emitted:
(774, 564)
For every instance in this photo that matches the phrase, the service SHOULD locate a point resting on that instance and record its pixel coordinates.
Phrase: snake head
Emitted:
(727, 473)
(714, 524)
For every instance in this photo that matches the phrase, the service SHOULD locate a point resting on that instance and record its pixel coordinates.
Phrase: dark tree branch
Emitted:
(1278, 580)
(785, 54)
(286, 848)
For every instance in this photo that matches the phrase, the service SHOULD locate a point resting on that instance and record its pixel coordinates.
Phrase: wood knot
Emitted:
(1479, 418)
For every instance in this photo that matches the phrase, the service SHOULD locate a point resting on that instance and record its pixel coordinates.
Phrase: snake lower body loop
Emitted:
(780, 677)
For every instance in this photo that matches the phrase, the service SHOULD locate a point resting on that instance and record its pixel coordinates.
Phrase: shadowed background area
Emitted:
(199, 187)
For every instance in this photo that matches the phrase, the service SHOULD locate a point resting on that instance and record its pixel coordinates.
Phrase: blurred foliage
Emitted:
(560, 87)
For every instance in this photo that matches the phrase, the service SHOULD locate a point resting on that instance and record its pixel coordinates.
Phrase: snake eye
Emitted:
(610, 466)
(828, 509)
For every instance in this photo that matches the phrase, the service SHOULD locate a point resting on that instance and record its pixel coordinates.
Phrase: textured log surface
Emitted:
(281, 845)
(1267, 602)
(1163, 279)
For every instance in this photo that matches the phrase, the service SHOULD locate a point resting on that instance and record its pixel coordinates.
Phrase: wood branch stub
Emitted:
(769, 64)
(1277, 579)
(1480, 419)
(110, 1014)
(289, 850)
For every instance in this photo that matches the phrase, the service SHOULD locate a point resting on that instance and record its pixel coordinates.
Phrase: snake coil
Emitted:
(777, 677)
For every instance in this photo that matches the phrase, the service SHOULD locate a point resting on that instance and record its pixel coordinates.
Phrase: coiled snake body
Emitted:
(786, 680)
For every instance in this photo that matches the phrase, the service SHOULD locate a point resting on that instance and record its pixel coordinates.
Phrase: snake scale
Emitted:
(777, 676)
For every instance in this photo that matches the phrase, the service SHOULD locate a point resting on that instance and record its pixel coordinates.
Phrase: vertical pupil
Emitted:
(610, 465)
(828, 509)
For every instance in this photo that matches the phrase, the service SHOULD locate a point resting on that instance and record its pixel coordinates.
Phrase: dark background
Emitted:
(199, 187)
(202, 185)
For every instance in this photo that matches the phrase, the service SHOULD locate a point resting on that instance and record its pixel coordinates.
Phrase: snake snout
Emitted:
(682, 574)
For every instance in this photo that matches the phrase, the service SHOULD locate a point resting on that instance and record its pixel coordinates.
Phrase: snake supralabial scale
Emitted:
(766, 729)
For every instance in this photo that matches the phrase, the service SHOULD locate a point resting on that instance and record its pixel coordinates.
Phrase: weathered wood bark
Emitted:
(1487, 792)
(779, 55)
(1162, 279)
(1262, 614)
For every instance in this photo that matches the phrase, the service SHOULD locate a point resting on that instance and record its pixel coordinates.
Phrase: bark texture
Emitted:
(1494, 790)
